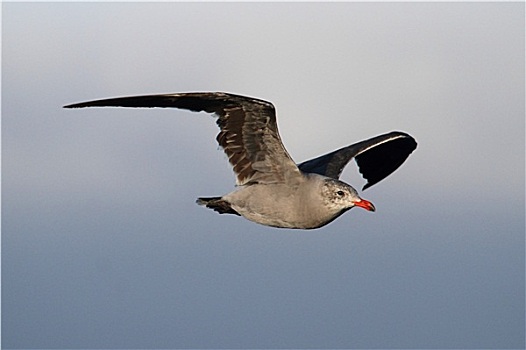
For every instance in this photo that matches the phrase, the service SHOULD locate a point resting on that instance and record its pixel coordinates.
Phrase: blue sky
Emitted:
(104, 247)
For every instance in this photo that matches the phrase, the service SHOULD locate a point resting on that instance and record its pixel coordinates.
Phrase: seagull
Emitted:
(271, 189)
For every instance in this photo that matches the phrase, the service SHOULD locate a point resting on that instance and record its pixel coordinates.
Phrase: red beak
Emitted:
(365, 204)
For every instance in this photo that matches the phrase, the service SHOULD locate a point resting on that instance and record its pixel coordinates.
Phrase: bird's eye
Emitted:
(340, 193)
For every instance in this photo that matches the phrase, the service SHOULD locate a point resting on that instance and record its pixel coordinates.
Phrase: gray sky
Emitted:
(104, 247)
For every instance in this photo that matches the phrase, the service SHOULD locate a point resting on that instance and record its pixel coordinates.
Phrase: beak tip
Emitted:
(365, 204)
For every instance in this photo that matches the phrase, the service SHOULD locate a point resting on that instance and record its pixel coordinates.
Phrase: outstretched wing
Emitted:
(249, 133)
(377, 157)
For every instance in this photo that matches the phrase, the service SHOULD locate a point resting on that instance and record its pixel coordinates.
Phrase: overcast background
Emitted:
(104, 247)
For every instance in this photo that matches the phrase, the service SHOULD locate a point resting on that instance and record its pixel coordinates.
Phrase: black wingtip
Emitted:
(76, 105)
(383, 159)
(96, 103)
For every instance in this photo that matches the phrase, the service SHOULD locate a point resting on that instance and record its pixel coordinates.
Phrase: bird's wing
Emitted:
(249, 132)
(377, 157)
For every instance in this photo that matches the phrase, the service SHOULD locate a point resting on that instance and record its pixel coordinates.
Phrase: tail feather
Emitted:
(217, 204)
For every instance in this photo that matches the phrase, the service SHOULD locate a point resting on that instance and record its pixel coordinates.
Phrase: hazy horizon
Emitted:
(103, 245)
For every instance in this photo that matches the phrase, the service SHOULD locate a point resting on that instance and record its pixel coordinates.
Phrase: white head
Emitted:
(340, 197)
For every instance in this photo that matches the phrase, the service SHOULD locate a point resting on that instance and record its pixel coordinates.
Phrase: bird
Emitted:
(271, 189)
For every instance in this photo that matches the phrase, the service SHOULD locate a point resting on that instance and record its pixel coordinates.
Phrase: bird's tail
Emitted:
(217, 204)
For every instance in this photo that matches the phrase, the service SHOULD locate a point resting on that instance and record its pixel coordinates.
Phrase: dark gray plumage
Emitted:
(271, 189)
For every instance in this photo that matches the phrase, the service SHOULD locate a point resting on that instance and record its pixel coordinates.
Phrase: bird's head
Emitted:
(340, 196)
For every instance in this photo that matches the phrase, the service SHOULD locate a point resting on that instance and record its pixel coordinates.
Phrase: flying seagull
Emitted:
(271, 189)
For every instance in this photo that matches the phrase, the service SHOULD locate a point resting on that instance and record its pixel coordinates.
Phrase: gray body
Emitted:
(307, 204)
(271, 189)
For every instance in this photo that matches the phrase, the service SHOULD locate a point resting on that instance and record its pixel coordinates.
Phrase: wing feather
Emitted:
(248, 131)
(376, 158)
